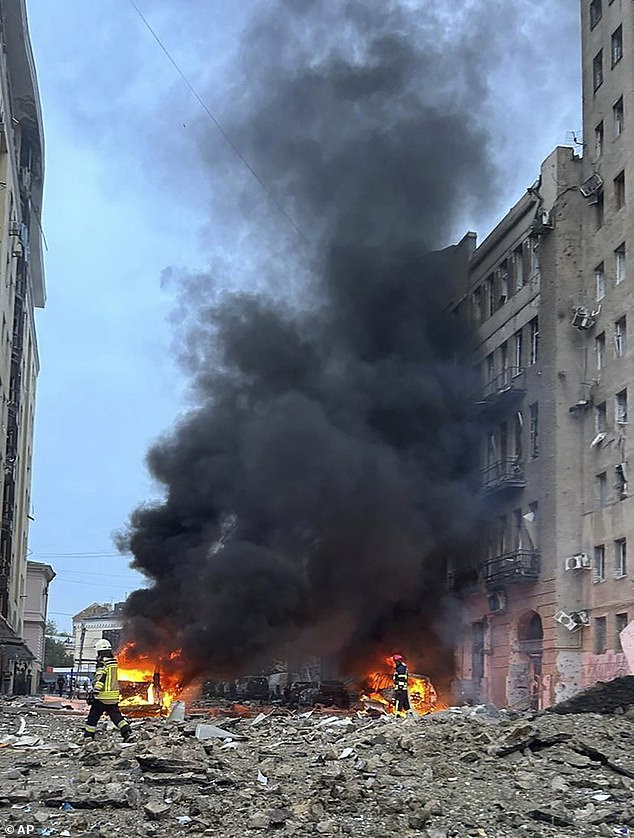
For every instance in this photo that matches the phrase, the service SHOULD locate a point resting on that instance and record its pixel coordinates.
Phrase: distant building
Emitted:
(94, 623)
(38, 577)
(22, 282)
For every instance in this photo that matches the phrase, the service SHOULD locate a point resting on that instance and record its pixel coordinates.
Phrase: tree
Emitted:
(55, 650)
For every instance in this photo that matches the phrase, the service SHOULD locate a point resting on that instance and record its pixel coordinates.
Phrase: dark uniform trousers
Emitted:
(97, 709)
(401, 697)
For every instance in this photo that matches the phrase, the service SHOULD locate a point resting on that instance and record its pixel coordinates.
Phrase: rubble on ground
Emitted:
(472, 772)
(613, 696)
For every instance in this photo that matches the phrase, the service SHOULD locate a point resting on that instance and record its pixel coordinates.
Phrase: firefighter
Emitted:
(105, 696)
(401, 677)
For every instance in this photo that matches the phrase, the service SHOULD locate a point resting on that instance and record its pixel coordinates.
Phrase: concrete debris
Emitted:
(177, 712)
(212, 732)
(460, 773)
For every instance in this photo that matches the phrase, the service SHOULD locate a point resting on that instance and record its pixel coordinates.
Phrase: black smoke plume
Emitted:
(314, 494)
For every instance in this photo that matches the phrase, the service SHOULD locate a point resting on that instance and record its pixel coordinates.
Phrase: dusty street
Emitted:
(458, 773)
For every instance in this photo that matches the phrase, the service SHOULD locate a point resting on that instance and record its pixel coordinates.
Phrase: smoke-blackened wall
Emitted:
(328, 470)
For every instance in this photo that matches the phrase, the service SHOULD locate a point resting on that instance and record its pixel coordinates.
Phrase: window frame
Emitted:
(600, 634)
(595, 13)
(620, 337)
(620, 558)
(616, 45)
(597, 70)
(598, 564)
(618, 117)
(620, 264)
(599, 351)
(599, 281)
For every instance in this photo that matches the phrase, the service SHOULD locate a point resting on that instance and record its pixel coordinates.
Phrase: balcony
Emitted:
(516, 566)
(503, 475)
(506, 387)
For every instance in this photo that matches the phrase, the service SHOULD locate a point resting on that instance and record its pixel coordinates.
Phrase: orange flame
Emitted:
(422, 695)
(141, 669)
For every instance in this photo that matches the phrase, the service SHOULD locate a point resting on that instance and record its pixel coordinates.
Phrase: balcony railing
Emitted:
(510, 383)
(503, 474)
(516, 566)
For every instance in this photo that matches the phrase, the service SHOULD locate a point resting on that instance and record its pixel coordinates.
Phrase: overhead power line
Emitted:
(216, 122)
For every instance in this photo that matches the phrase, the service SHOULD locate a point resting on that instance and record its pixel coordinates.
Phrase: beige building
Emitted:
(550, 294)
(93, 623)
(38, 577)
(22, 281)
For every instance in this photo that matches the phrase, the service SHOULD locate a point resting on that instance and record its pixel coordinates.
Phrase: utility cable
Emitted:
(216, 122)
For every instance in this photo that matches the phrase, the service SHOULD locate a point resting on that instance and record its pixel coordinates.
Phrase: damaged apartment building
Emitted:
(22, 284)
(550, 297)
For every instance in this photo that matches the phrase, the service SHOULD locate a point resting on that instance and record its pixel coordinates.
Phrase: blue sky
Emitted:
(127, 195)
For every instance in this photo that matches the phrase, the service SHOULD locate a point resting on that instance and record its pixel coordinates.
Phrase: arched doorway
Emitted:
(530, 637)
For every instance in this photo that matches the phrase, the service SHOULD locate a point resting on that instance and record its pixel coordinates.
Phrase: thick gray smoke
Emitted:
(313, 496)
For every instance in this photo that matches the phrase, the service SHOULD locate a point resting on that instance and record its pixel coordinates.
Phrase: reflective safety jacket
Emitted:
(106, 685)
(401, 676)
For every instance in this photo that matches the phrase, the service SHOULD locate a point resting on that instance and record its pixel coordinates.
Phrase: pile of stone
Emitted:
(461, 773)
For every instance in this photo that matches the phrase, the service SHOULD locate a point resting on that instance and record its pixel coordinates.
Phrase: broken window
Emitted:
(490, 295)
(596, 12)
(618, 117)
(601, 418)
(517, 264)
(602, 489)
(620, 264)
(597, 70)
(620, 622)
(534, 327)
(504, 359)
(619, 190)
(533, 429)
(598, 567)
(600, 635)
(598, 139)
(476, 301)
(599, 350)
(621, 480)
(517, 350)
(503, 282)
(599, 281)
(616, 43)
(620, 558)
(490, 368)
(620, 337)
(620, 408)
(533, 244)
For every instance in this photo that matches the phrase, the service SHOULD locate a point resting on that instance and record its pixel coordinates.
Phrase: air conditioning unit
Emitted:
(579, 561)
(544, 220)
(498, 602)
(582, 618)
(591, 186)
(567, 620)
(583, 318)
